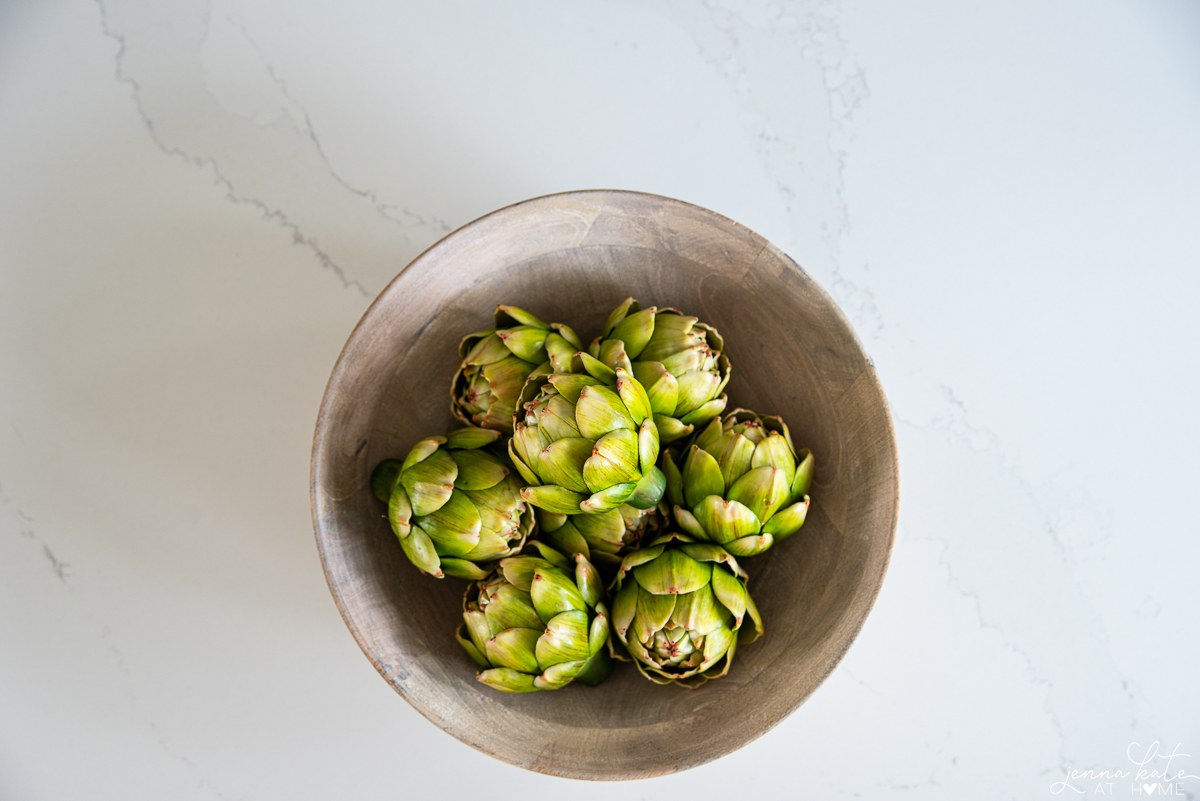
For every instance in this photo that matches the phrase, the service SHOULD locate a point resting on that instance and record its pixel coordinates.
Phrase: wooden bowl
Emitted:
(572, 258)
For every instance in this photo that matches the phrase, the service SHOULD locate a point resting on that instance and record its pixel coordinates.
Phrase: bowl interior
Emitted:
(572, 258)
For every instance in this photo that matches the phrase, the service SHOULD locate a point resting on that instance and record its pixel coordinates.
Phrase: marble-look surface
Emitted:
(201, 198)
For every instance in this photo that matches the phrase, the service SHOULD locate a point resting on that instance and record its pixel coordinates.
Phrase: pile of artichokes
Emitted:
(598, 479)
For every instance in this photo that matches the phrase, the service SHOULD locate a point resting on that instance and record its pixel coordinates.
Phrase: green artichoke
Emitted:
(604, 537)
(534, 624)
(679, 608)
(454, 504)
(677, 358)
(743, 484)
(497, 362)
(587, 445)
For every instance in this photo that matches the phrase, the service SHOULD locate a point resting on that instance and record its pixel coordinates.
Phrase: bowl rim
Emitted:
(317, 464)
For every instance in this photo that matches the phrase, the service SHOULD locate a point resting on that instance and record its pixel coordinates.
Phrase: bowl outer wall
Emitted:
(572, 257)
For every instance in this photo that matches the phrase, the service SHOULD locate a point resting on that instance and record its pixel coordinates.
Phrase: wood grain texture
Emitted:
(572, 258)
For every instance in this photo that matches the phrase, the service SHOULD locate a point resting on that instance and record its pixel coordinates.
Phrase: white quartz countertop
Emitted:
(200, 199)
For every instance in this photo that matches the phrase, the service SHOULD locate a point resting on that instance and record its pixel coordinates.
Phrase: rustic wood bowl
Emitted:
(572, 258)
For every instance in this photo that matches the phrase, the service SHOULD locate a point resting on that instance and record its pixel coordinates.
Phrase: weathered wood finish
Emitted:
(572, 258)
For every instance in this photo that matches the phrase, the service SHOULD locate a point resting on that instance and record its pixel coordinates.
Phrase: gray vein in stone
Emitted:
(287, 181)
(60, 567)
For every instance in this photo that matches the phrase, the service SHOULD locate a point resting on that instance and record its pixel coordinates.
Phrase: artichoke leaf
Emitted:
(429, 482)
(562, 463)
(554, 593)
(514, 648)
(508, 680)
(674, 572)
(471, 437)
(554, 498)
(565, 639)
(701, 477)
(477, 470)
(599, 411)
(726, 521)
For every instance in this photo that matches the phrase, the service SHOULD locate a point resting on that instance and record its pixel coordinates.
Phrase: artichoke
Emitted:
(534, 624)
(680, 613)
(743, 484)
(603, 537)
(677, 359)
(454, 504)
(587, 445)
(497, 362)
